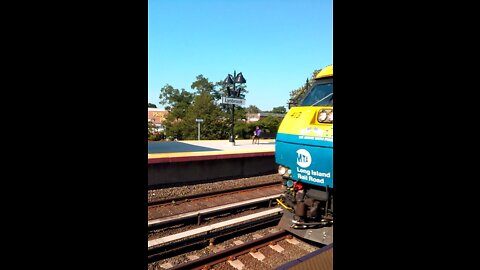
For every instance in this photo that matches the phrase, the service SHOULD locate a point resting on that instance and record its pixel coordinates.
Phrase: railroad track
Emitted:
(208, 223)
(199, 216)
(232, 254)
(218, 203)
(193, 239)
(208, 194)
(267, 248)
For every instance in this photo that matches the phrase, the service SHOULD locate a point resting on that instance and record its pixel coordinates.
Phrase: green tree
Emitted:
(151, 105)
(269, 124)
(243, 130)
(240, 114)
(177, 101)
(279, 109)
(173, 129)
(214, 125)
(202, 85)
(253, 109)
(151, 128)
(184, 107)
(222, 89)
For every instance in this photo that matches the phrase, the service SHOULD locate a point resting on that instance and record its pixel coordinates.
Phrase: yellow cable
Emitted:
(286, 207)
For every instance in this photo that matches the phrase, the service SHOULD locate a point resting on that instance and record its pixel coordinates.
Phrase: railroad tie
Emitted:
(257, 255)
(166, 265)
(256, 236)
(217, 248)
(192, 257)
(293, 241)
(277, 248)
(237, 264)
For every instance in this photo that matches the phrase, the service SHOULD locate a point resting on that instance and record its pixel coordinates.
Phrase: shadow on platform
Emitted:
(168, 147)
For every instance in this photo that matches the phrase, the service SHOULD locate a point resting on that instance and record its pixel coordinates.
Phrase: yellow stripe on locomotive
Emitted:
(307, 121)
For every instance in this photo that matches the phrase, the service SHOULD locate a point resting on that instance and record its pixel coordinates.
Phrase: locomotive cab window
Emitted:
(321, 94)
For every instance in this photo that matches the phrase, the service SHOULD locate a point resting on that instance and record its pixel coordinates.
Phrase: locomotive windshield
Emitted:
(320, 95)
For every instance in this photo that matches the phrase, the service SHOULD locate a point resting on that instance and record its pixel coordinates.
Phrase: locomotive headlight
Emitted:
(284, 171)
(322, 115)
(325, 116)
(330, 116)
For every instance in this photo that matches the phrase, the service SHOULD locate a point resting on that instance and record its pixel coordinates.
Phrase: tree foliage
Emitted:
(253, 109)
(297, 94)
(214, 125)
(222, 89)
(184, 107)
(244, 130)
(279, 109)
(151, 128)
(177, 101)
(151, 105)
(240, 116)
(202, 85)
(269, 124)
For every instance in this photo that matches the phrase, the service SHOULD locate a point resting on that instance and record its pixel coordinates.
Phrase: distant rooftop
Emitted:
(155, 110)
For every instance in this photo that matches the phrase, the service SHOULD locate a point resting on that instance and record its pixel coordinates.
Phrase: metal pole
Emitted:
(199, 131)
(233, 122)
(232, 138)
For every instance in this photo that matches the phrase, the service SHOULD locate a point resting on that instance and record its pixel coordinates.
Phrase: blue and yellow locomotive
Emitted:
(304, 153)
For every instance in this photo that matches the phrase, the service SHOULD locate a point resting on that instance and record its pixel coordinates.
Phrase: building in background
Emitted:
(157, 116)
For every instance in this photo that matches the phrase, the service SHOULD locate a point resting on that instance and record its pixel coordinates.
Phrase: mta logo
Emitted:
(304, 159)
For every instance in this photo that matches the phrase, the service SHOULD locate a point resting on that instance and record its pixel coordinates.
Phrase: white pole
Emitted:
(199, 131)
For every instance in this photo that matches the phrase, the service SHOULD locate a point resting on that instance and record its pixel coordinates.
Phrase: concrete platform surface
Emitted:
(207, 147)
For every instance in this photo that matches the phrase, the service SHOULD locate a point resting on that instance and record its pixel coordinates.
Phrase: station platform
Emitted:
(178, 151)
(182, 162)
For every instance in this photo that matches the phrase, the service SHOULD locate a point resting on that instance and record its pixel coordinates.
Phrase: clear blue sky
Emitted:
(276, 44)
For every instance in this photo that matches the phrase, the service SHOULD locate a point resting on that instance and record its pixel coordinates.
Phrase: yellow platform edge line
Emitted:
(206, 153)
(196, 141)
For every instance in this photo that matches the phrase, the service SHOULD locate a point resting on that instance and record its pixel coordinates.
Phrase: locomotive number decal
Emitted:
(296, 114)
